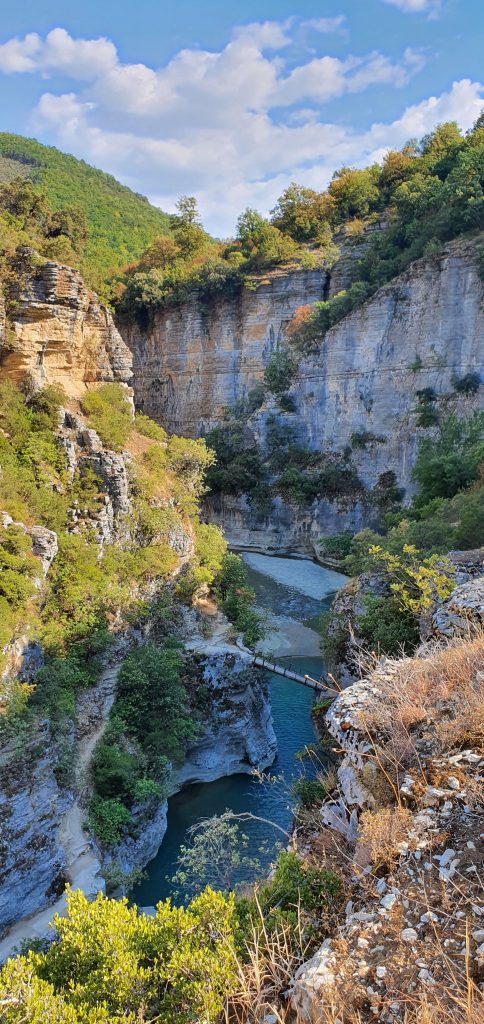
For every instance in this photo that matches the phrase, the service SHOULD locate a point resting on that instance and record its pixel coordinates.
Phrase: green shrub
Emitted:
(279, 372)
(450, 462)
(337, 547)
(237, 599)
(334, 638)
(109, 412)
(149, 428)
(467, 385)
(309, 792)
(316, 890)
(152, 702)
(107, 819)
(114, 771)
(363, 438)
(386, 628)
(111, 963)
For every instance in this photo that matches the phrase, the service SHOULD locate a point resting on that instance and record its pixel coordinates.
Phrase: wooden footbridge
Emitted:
(288, 673)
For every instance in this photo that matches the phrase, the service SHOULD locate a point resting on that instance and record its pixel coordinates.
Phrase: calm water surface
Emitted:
(287, 587)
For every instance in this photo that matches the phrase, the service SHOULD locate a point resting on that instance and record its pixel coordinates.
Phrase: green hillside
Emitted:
(121, 223)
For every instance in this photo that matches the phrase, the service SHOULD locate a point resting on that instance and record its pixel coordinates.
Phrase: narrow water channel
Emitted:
(291, 593)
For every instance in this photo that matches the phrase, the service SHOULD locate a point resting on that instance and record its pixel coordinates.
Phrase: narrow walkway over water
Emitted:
(281, 670)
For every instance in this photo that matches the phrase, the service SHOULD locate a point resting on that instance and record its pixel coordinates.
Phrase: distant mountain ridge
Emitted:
(122, 223)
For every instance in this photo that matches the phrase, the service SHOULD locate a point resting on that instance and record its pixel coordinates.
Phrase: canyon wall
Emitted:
(54, 330)
(423, 330)
(197, 359)
(57, 332)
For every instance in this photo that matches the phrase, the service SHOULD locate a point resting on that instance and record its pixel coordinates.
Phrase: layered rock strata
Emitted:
(57, 331)
(422, 331)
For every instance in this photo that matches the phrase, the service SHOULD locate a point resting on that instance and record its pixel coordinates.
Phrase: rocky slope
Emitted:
(58, 332)
(408, 814)
(422, 330)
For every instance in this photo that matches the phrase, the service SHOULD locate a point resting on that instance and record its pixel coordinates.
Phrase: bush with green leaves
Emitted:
(109, 411)
(293, 885)
(309, 792)
(450, 462)
(107, 819)
(467, 385)
(279, 372)
(238, 599)
(387, 628)
(153, 704)
(109, 963)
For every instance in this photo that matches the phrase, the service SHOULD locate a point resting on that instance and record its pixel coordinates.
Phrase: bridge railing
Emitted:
(288, 673)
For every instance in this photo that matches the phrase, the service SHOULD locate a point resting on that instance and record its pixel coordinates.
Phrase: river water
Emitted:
(292, 593)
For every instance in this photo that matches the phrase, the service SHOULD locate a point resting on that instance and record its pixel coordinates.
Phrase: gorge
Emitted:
(331, 437)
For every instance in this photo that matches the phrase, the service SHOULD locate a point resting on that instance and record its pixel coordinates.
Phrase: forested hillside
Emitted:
(418, 198)
(120, 223)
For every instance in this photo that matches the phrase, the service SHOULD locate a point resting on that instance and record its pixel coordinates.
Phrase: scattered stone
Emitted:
(388, 901)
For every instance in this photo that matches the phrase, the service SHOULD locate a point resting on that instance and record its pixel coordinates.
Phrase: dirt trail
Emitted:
(82, 865)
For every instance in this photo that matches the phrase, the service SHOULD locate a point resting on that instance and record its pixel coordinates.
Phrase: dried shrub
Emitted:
(447, 686)
(380, 833)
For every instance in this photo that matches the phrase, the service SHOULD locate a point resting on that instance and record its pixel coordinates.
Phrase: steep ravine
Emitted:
(236, 737)
(59, 333)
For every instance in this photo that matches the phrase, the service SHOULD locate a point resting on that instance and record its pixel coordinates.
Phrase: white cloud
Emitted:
(326, 25)
(234, 126)
(20, 54)
(267, 35)
(431, 7)
(82, 59)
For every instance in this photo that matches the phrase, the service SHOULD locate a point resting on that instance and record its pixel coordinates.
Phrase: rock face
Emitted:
(60, 332)
(31, 805)
(422, 330)
(237, 736)
(195, 360)
(413, 852)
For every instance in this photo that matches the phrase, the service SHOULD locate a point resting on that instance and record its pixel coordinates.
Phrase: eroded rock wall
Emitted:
(423, 330)
(57, 331)
(196, 359)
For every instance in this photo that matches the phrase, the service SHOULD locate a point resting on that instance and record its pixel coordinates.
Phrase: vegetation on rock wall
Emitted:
(88, 589)
(446, 514)
(280, 466)
(427, 194)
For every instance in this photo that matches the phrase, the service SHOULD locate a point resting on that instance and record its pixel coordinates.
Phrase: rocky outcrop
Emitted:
(31, 806)
(408, 812)
(238, 735)
(58, 331)
(288, 528)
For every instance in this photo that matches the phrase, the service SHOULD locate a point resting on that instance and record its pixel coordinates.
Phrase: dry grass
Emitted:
(265, 973)
(380, 833)
(447, 683)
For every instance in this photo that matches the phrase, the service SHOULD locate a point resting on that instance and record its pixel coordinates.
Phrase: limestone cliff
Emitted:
(57, 330)
(197, 359)
(422, 330)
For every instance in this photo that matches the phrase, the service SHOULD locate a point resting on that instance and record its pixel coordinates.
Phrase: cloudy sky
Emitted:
(231, 102)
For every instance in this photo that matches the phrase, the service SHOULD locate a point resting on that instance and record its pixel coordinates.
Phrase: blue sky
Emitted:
(231, 102)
